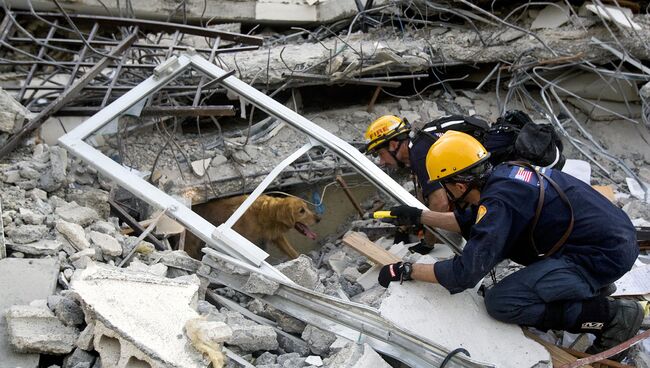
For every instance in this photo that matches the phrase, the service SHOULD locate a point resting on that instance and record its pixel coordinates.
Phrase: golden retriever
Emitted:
(267, 220)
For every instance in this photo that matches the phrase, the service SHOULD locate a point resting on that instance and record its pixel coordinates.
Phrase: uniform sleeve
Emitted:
(488, 243)
(465, 219)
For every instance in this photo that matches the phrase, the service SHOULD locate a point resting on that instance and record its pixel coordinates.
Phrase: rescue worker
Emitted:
(573, 241)
(399, 146)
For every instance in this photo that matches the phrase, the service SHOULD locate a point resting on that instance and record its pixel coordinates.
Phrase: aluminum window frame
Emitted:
(224, 237)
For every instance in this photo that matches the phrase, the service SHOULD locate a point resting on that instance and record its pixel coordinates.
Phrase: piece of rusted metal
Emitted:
(67, 95)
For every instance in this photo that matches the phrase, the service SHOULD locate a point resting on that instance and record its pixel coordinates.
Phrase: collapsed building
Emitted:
(118, 118)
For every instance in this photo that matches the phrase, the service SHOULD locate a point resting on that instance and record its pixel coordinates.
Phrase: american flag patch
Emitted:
(523, 174)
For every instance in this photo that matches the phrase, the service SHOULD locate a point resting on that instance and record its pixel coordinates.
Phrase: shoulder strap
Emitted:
(540, 204)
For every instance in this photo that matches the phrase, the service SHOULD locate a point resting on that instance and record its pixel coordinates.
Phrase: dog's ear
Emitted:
(287, 211)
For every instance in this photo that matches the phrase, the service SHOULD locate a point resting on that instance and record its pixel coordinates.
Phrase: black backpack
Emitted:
(433, 130)
(538, 144)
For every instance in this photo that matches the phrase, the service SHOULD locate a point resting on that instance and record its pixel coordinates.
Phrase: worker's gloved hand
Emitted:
(422, 248)
(401, 236)
(406, 215)
(400, 271)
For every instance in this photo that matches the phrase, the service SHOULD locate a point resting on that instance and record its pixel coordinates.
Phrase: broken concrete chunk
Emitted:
(552, 16)
(89, 252)
(85, 339)
(286, 322)
(356, 356)
(94, 198)
(25, 234)
(254, 337)
(82, 262)
(291, 360)
(11, 176)
(301, 271)
(622, 16)
(180, 259)
(12, 113)
(22, 281)
(200, 166)
(106, 243)
(319, 340)
(30, 217)
(79, 359)
(76, 214)
(146, 315)
(73, 233)
(157, 269)
(371, 297)
(104, 227)
(59, 162)
(66, 309)
(314, 360)
(258, 284)
(266, 358)
(43, 247)
(37, 330)
(208, 332)
(292, 344)
(351, 274)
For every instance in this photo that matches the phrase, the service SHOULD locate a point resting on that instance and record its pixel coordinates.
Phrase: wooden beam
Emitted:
(604, 362)
(369, 249)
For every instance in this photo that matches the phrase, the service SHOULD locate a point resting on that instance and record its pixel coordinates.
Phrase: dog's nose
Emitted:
(317, 219)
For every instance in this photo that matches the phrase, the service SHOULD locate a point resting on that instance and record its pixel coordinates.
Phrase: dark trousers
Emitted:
(525, 296)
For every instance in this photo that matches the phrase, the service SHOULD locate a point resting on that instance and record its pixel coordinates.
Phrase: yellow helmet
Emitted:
(384, 129)
(455, 154)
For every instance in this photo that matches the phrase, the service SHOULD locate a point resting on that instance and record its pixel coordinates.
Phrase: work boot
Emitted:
(607, 290)
(628, 316)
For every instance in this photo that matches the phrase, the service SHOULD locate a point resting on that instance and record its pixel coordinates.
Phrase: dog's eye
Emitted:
(302, 210)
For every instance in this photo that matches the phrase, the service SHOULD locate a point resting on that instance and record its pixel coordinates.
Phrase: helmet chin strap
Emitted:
(459, 202)
(399, 163)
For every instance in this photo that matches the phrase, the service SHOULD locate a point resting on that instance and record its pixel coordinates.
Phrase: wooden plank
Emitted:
(602, 363)
(369, 249)
(559, 356)
(605, 190)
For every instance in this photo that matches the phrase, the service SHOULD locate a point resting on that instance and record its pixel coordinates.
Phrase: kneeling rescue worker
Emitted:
(513, 136)
(572, 240)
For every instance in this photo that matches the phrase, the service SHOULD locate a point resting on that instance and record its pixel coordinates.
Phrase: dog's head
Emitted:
(299, 216)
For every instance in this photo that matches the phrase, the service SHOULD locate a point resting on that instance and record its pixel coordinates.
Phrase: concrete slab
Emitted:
(459, 320)
(593, 86)
(139, 316)
(596, 109)
(22, 281)
(35, 329)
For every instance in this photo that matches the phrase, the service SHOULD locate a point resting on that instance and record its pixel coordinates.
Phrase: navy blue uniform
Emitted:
(600, 249)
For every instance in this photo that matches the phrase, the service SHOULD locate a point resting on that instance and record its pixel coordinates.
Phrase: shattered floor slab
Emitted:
(139, 317)
(460, 321)
(21, 282)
